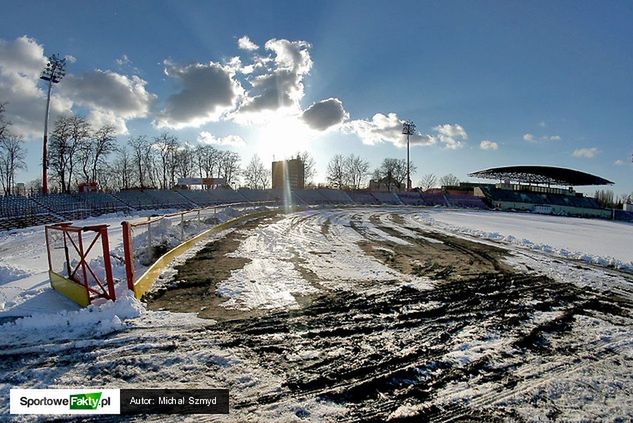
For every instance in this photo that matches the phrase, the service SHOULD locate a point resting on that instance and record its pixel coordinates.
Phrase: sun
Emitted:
(282, 136)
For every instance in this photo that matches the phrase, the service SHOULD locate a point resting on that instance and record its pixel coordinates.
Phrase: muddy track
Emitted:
(393, 352)
(376, 352)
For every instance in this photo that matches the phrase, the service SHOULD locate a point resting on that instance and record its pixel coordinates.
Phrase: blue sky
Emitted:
(546, 83)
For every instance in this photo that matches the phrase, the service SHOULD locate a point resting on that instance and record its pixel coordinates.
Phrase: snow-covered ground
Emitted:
(596, 241)
(312, 251)
(24, 284)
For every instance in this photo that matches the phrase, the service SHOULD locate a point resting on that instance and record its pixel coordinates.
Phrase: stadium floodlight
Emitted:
(408, 128)
(53, 73)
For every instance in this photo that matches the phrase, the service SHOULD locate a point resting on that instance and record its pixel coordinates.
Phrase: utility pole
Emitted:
(408, 128)
(53, 73)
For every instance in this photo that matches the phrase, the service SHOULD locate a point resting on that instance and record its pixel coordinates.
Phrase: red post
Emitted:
(106, 261)
(48, 249)
(127, 253)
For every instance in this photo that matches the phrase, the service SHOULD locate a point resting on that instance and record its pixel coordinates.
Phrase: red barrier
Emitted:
(73, 270)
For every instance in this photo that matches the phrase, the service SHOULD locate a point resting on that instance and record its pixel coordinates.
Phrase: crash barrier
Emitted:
(79, 264)
(150, 244)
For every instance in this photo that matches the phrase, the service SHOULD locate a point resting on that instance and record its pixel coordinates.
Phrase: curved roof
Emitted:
(542, 175)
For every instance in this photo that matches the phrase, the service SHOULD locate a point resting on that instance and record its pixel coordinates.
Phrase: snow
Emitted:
(96, 320)
(272, 279)
(301, 254)
(595, 241)
(24, 283)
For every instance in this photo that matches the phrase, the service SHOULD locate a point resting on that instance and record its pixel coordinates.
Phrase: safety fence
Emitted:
(79, 262)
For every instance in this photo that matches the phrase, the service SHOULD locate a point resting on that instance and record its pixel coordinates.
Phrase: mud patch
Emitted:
(197, 278)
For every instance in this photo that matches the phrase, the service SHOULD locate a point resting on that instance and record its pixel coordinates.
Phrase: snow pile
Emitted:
(96, 320)
(9, 273)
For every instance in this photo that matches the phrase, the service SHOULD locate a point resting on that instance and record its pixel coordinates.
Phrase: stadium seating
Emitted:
(386, 197)
(504, 195)
(362, 197)
(465, 201)
(412, 198)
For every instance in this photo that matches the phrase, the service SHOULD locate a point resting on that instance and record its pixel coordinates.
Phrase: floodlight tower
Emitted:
(408, 128)
(54, 72)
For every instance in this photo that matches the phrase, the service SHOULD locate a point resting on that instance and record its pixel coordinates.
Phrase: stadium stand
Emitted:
(465, 201)
(311, 196)
(255, 195)
(412, 198)
(21, 212)
(170, 199)
(386, 197)
(335, 196)
(363, 197)
(433, 199)
(101, 203)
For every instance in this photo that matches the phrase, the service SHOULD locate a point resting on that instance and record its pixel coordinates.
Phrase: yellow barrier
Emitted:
(145, 282)
(69, 288)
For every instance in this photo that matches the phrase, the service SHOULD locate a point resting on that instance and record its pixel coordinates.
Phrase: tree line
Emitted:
(12, 154)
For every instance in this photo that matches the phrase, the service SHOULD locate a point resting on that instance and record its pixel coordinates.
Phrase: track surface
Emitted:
(418, 326)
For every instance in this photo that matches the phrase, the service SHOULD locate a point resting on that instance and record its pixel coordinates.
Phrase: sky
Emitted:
(487, 83)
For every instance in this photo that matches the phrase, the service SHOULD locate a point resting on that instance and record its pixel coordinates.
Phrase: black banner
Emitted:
(174, 401)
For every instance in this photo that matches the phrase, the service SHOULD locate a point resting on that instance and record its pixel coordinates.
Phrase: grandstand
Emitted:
(533, 192)
(536, 189)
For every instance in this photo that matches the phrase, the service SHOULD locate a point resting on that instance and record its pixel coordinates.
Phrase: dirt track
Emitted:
(476, 346)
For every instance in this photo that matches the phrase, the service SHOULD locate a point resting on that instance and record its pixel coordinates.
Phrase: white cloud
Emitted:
(452, 135)
(619, 162)
(324, 114)
(488, 145)
(385, 128)
(542, 124)
(587, 152)
(276, 81)
(208, 93)
(245, 43)
(107, 97)
(123, 60)
(230, 140)
(110, 97)
(551, 138)
(532, 138)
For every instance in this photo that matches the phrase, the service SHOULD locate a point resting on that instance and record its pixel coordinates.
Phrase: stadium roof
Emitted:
(541, 175)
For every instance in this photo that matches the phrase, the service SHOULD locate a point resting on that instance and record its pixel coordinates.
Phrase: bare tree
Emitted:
(309, 166)
(166, 145)
(256, 175)
(185, 161)
(449, 180)
(12, 154)
(68, 135)
(229, 166)
(208, 160)
(141, 159)
(355, 170)
(428, 181)
(393, 172)
(122, 169)
(605, 198)
(336, 171)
